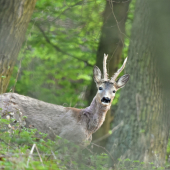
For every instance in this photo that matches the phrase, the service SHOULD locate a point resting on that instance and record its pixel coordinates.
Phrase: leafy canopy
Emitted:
(58, 56)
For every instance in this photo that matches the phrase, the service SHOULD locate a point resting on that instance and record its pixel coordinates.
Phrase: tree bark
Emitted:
(142, 104)
(14, 18)
(111, 43)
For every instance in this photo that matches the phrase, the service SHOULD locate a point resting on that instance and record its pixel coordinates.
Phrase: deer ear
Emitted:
(122, 81)
(97, 74)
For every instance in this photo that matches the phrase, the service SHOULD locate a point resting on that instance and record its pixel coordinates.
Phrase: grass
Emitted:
(20, 149)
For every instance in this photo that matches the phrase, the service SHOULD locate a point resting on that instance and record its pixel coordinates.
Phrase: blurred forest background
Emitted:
(65, 39)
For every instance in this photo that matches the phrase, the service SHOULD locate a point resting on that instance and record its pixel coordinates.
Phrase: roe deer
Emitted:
(74, 124)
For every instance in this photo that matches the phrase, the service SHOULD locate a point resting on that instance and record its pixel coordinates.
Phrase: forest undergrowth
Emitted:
(21, 149)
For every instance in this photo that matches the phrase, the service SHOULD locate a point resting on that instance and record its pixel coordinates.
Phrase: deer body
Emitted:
(70, 123)
(74, 124)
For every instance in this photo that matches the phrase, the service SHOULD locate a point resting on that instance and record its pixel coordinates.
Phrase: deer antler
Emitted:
(105, 76)
(119, 71)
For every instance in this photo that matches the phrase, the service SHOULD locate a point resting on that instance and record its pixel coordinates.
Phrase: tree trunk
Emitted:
(142, 104)
(14, 18)
(111, 43)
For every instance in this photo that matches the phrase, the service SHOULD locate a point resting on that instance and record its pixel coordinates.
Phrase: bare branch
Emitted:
(103, 149)
(63, 12)
(53, 154)
(39, 155)
(108, 134)
(60, 50)
(31, 153)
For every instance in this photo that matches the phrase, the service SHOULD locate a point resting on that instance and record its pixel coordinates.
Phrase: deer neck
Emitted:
(96, 107)
(96, 113)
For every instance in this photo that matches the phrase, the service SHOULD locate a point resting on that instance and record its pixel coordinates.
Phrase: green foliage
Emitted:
(16, 144)
(168, 150)
(127, 164)
(128, 27)
(60, 51)
(56, 66)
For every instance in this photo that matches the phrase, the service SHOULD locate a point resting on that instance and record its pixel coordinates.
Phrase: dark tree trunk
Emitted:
(142, 104)
(111, 43)
(14, 18)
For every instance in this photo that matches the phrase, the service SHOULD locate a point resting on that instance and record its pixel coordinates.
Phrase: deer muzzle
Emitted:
(105, 100)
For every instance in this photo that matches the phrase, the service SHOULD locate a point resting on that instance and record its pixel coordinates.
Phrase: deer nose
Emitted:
(105, 100)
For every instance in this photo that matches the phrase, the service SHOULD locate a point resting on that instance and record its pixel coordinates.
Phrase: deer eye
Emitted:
(100, 88)
(114, 91)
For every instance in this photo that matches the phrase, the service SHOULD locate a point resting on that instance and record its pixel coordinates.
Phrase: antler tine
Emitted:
(105, 77)
(119, 71)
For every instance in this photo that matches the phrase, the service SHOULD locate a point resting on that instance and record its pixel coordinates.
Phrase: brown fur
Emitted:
(76, 113)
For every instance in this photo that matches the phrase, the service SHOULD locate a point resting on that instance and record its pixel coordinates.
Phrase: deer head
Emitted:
(107, 87)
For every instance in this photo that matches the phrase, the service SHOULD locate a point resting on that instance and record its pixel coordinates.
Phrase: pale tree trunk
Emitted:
(142, 104)
(111, 43)
(14, 18)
